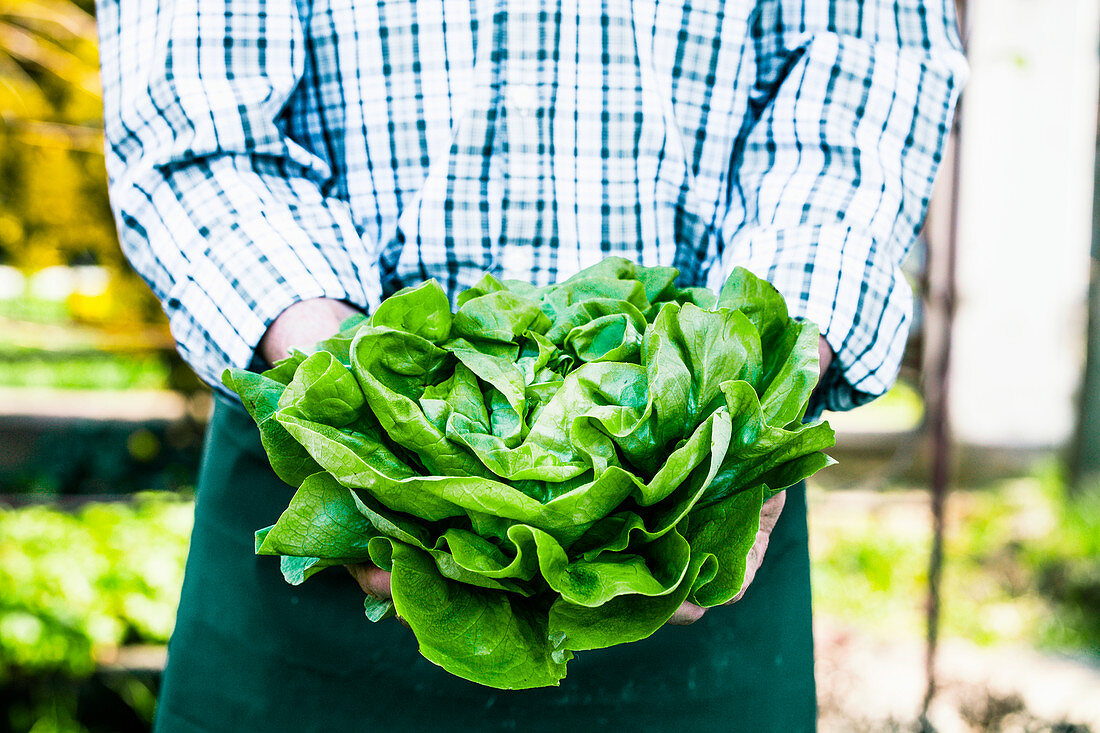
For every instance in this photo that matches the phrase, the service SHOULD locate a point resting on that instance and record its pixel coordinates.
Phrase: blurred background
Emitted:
(956, 546)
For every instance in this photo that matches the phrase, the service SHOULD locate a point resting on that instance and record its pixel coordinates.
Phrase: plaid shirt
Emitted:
(262, 152)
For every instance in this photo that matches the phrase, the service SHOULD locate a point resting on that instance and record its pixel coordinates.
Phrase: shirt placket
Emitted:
(524, 115)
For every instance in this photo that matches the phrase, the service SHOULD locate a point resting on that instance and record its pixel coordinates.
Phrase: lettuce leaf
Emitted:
(543, 470)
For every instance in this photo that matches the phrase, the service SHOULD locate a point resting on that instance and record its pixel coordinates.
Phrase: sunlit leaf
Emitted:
(546, 470)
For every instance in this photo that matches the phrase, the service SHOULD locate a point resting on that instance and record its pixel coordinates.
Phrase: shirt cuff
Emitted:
(218, 321)
(841, 279)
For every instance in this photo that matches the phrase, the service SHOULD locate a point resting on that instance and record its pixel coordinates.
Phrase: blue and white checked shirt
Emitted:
(266, 151)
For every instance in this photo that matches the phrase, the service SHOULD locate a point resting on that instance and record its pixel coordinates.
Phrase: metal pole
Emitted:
(941, 296)
(1085, 461)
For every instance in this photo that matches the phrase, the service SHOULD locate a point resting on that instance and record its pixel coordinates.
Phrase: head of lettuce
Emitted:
(545, 470)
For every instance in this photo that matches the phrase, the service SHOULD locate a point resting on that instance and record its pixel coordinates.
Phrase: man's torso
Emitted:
(526, 138)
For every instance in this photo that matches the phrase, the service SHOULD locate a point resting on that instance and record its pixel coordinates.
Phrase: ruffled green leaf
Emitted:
(260, 395)
(545, 470)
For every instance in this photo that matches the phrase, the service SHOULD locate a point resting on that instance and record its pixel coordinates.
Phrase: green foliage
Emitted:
(869, 566)
(53, 193)
(1066, 563)
(545, 470)
(73, 587)
(43, 343)
(53, 198)
(32, 368)
(48, 60)
(1022, 564)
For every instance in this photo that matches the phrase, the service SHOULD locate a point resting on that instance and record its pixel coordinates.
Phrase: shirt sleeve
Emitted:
(225, 216)
(833, 171)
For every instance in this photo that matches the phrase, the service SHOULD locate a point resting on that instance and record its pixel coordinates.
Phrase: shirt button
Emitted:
(523, 98)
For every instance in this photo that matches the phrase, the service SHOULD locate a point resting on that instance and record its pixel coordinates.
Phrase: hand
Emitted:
(310, 321)
(302, 325)
(374, 581)
(688, 612)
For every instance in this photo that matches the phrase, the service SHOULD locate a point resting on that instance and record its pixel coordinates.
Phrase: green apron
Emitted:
(251, 653)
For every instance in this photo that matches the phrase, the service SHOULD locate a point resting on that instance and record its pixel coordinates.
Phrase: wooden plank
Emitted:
(133, 659)
(131, 405)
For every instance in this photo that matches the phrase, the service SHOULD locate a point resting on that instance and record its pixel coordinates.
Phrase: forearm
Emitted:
(223, 214)
(225, 272)
(302, 325)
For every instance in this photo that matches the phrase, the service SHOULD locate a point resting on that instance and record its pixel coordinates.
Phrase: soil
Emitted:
(865, 684)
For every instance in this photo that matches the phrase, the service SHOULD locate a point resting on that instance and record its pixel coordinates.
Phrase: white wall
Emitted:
(1025, 229)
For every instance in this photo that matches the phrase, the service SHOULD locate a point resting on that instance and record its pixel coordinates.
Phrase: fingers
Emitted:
(687, 613)
(769, 516)
(756, 556)
(769, 513)
(374, 581)
(824, 356)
